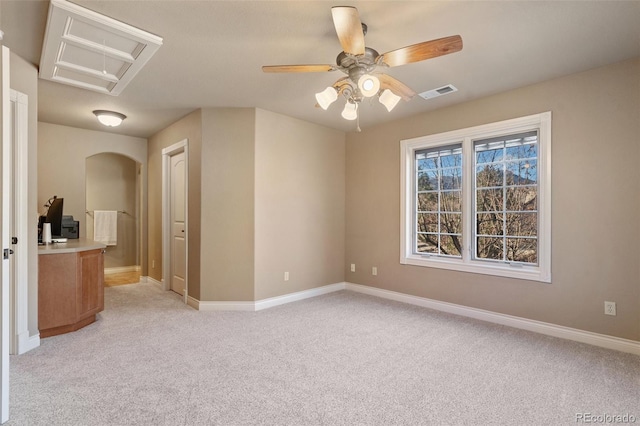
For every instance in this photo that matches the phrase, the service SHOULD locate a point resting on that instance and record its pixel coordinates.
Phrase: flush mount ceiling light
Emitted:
(363, 65)
(109, 118)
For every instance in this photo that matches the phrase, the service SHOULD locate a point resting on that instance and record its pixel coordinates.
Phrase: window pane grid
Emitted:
(438, 225)
(505, 199)
(505, 184)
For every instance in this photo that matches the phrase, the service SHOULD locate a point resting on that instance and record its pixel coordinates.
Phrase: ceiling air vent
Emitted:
(444, 90)
(85, 49)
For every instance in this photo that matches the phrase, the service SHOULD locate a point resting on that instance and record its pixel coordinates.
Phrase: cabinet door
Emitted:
(57, 274)
(90, 297)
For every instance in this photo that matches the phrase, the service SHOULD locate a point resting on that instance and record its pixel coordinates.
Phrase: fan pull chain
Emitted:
(358, 119)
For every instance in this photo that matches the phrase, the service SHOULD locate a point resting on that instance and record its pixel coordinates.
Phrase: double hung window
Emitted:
(478, 199)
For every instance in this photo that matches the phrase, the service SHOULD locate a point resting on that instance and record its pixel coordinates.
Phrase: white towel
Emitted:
(105, 227)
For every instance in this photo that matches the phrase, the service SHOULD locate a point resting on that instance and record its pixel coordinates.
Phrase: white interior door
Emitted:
(5, 169)
(9, 191)
(20, 340)
(178, 240)
(175, 214)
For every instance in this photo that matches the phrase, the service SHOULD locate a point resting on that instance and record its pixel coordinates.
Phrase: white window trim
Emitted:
(540, 272)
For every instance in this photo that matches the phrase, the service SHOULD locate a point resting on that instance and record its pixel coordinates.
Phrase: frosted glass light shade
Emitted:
(326, 97)
(369, 85)
(350, 111)
(389, 99)
(109, 118)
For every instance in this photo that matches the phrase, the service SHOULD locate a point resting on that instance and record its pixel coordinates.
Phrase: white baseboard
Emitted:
(266, 303)
(153, 281)
(602, 340)
(119, 269)
(194, 303)
(226, 306)
(26, 342)
(300, 295)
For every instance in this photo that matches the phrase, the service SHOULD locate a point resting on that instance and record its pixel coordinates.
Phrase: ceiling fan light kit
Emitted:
(362, 65)
(350, 111)
(327, 97)
(369, 85)
(389, 99)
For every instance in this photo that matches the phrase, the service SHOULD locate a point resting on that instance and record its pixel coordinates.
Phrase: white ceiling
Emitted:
(213, 52)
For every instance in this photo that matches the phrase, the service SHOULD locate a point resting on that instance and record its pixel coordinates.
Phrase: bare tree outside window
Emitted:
(506, 194)
(438, 198)
(478, 199)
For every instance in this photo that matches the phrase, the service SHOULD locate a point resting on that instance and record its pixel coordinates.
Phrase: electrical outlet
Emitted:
(153, 264)
(353, 267)
(610, 308)
(374, 271)
(286, 276)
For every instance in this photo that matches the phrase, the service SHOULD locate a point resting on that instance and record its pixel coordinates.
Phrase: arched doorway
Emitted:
(113, 183)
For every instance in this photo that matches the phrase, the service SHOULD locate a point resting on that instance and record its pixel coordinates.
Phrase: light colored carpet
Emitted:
(338, 359)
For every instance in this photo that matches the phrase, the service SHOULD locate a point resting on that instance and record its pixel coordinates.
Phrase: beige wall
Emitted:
(244, 154)
(190, 128)
(299, 205)
(111, 184)
(595, 204)
(62, 152)
(227, 229)
(24, 79)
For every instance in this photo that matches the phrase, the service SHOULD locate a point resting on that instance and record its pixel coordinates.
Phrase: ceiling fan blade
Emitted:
(396, 86)
(349, 29)
(298, 68)
(421, 51)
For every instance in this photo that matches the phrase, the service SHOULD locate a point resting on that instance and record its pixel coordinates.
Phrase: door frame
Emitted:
(5, 162)
(167, 153)
(21, 342)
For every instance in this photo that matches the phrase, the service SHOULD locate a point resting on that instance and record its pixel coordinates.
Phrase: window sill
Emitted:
(518, 272)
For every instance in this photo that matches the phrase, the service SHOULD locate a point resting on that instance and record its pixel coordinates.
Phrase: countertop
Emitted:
(71, 246)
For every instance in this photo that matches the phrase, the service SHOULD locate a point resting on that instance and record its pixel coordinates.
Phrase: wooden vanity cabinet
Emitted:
(70, 290)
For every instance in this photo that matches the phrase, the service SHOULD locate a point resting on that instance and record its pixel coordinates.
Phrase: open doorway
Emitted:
(113, 187)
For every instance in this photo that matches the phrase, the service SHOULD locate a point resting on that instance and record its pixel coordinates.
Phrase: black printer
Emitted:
(70, 228)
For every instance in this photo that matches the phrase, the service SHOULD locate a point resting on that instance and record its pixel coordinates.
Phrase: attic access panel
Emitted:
(85, 49)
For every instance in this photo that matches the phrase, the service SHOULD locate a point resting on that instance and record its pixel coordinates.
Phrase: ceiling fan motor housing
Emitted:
(346, 61)
(356, 72)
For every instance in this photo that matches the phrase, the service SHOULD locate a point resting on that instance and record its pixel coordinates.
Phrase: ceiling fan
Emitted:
(363, 65)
